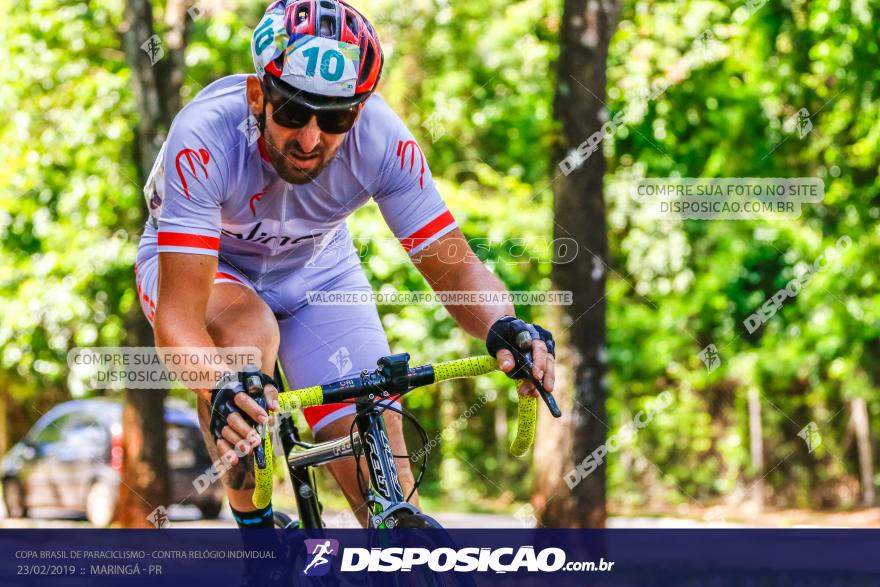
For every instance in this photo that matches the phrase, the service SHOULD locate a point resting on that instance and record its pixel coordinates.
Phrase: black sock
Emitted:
(261, 518)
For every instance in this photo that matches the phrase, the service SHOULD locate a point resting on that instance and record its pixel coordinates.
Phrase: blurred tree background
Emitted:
(475, 82)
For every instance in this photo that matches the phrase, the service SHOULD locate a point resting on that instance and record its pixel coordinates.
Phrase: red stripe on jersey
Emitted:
(196, 241)
(427, 231)
(221, 275)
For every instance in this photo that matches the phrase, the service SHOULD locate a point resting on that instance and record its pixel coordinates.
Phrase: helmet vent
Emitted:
(351, 23)
(302, 14)
(328, 26)
(367, 63)
(328, 5)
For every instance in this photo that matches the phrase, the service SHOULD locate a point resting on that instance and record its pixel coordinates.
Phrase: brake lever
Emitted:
(254, 386)
(524, 342)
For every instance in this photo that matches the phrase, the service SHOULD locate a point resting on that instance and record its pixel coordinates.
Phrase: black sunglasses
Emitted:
(291, 114)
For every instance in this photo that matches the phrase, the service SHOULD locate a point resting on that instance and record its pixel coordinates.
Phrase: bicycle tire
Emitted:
(435, 538)
(282, 521)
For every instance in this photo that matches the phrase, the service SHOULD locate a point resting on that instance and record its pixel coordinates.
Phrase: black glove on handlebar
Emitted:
(223, 401)
(504, 334)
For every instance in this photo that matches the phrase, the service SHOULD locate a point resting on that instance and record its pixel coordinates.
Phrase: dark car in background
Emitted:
(72, 459)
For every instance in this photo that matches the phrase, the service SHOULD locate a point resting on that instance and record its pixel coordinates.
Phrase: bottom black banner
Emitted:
(219, 558)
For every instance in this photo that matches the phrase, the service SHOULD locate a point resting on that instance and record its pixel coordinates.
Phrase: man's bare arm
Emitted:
(449, 264)
(185, 285)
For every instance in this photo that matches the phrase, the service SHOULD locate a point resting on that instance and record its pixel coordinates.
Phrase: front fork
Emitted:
(385, 496)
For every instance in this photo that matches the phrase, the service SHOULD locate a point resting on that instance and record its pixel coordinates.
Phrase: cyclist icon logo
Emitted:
(318, 550)
(341, 359)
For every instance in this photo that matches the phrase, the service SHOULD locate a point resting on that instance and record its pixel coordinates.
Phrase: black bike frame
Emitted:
(376, 449)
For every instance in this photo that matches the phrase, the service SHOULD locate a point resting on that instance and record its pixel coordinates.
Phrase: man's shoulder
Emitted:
(219, 113)
(378, 122)
(376, 108)
(377, 133)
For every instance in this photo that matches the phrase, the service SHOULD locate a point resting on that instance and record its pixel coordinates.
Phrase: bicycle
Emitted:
(373, 392)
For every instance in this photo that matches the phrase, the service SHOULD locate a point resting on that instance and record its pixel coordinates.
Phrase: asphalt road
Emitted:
(188, 517)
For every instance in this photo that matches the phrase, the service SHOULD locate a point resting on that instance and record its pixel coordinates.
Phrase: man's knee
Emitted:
(394, 425)
(246, 331)
(241, 318)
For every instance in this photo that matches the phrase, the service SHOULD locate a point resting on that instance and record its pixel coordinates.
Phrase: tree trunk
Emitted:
(585, 32)
(756, 444)
(157, 79)
(863, 444)
(5, 397)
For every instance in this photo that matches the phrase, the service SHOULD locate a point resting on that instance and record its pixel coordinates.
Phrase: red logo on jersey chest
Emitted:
(192, 158)
(413, 148)
(256, 198)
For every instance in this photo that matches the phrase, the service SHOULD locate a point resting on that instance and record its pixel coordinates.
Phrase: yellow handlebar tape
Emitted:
(470, 367)
(263, 477)
(298, 399)
(525, 428)
(295, 399)
(528, 406)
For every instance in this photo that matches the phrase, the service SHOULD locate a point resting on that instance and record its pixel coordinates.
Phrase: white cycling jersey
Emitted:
(212, 189)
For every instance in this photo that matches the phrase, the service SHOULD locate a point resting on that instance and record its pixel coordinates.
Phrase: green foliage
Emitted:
(67, 200)
(724, 115)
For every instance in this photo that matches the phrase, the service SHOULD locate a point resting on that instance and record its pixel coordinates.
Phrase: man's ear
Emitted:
(361, 109)
(255, 95)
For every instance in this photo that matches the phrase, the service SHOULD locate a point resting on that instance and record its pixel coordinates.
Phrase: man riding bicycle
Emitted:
(248, 203)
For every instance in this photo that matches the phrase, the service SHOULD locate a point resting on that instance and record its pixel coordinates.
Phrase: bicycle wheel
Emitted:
(413, 520)
(431, 536)
(283, 521)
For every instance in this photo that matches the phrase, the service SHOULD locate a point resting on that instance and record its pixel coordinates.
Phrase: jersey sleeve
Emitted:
(195, 177)
(406, 193)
